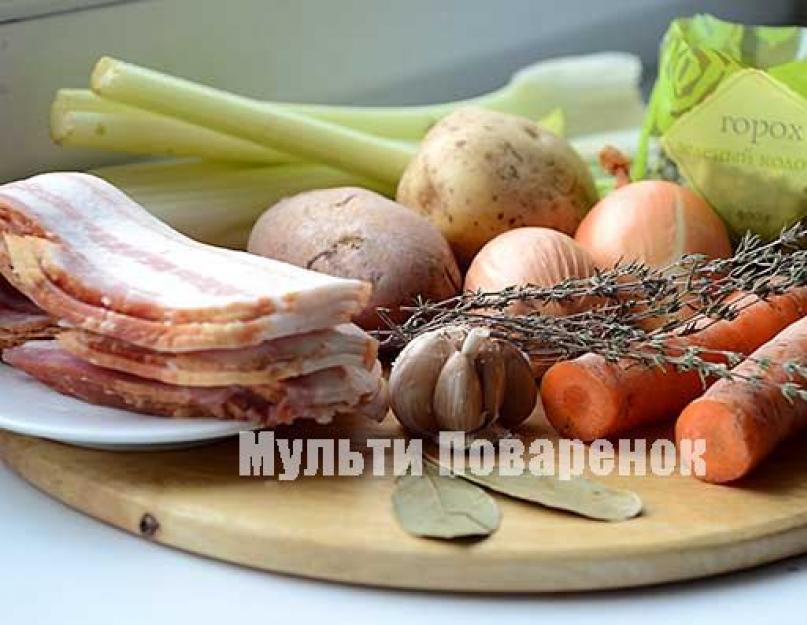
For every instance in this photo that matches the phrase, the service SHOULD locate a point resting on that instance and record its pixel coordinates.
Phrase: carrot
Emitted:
(741, 422)
(589, 398)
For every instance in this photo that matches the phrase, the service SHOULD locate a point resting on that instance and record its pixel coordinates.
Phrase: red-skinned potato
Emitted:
(355, 233)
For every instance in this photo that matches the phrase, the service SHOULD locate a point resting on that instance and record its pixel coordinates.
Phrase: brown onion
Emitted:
(537, 256)
(654, 222)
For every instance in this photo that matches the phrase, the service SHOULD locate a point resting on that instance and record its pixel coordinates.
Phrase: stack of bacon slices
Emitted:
(155, 322)
(20, 318)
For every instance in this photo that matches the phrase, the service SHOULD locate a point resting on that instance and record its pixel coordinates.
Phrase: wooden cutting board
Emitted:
(343, 528)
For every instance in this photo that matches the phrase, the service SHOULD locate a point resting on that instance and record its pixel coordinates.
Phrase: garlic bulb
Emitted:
(453, 379)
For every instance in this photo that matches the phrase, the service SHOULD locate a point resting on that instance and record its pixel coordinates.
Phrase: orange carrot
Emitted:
(742, 422)
(590, 398)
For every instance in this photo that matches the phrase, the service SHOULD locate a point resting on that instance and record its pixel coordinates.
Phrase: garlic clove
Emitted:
(458, 402)
(413, 379)
(493, 375)
(521, 390)
(475, 340)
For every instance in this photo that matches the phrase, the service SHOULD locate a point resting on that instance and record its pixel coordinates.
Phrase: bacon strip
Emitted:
(87, 254)
(17, 328)
(320, 396)
(20, 319)
(12, 299)
(286, 357)
(165, 325)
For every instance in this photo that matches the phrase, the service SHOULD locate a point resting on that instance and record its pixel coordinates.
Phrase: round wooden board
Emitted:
(343, 528)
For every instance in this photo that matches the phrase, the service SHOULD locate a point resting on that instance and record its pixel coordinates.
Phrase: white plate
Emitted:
(28, 407)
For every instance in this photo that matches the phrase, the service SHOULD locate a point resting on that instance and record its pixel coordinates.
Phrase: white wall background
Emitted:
(357, 51)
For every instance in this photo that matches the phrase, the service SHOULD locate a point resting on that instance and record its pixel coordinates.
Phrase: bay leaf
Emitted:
(578, 495)
(440, 506)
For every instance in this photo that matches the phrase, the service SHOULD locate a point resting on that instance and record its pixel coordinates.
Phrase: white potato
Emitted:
(479, 173)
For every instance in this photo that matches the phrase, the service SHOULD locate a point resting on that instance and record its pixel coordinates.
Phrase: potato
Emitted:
(479, 173)
(355, 233)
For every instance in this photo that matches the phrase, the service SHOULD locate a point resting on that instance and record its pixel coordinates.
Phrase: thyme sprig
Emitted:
(638, 312)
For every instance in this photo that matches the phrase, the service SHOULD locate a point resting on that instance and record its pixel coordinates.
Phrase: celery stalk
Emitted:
(598, 92)
(267, 124)
(273, 125)
(80, 118)
(67, 100)
(215, 202)
(145, 133)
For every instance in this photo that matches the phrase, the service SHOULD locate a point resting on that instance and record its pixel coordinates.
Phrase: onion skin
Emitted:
(654, 222)
(524, 256)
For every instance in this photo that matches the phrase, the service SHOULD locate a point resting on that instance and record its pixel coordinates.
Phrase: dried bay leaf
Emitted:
(577, 495)
(439, 506)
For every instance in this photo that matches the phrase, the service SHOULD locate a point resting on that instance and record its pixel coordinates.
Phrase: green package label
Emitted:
(729, 108)
(744, 149)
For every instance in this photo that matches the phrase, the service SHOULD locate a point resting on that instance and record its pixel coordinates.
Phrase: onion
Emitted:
(654, 222)
(537, 256)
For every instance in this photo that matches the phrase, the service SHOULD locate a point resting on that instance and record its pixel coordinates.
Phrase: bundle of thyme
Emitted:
(639, 311)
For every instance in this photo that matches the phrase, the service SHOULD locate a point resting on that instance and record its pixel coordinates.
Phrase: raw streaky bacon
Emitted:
(320, 396)
(17, 328)
(20, 319)
(12, 299)
(285, 357)
(160, 324)
(87, 254)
